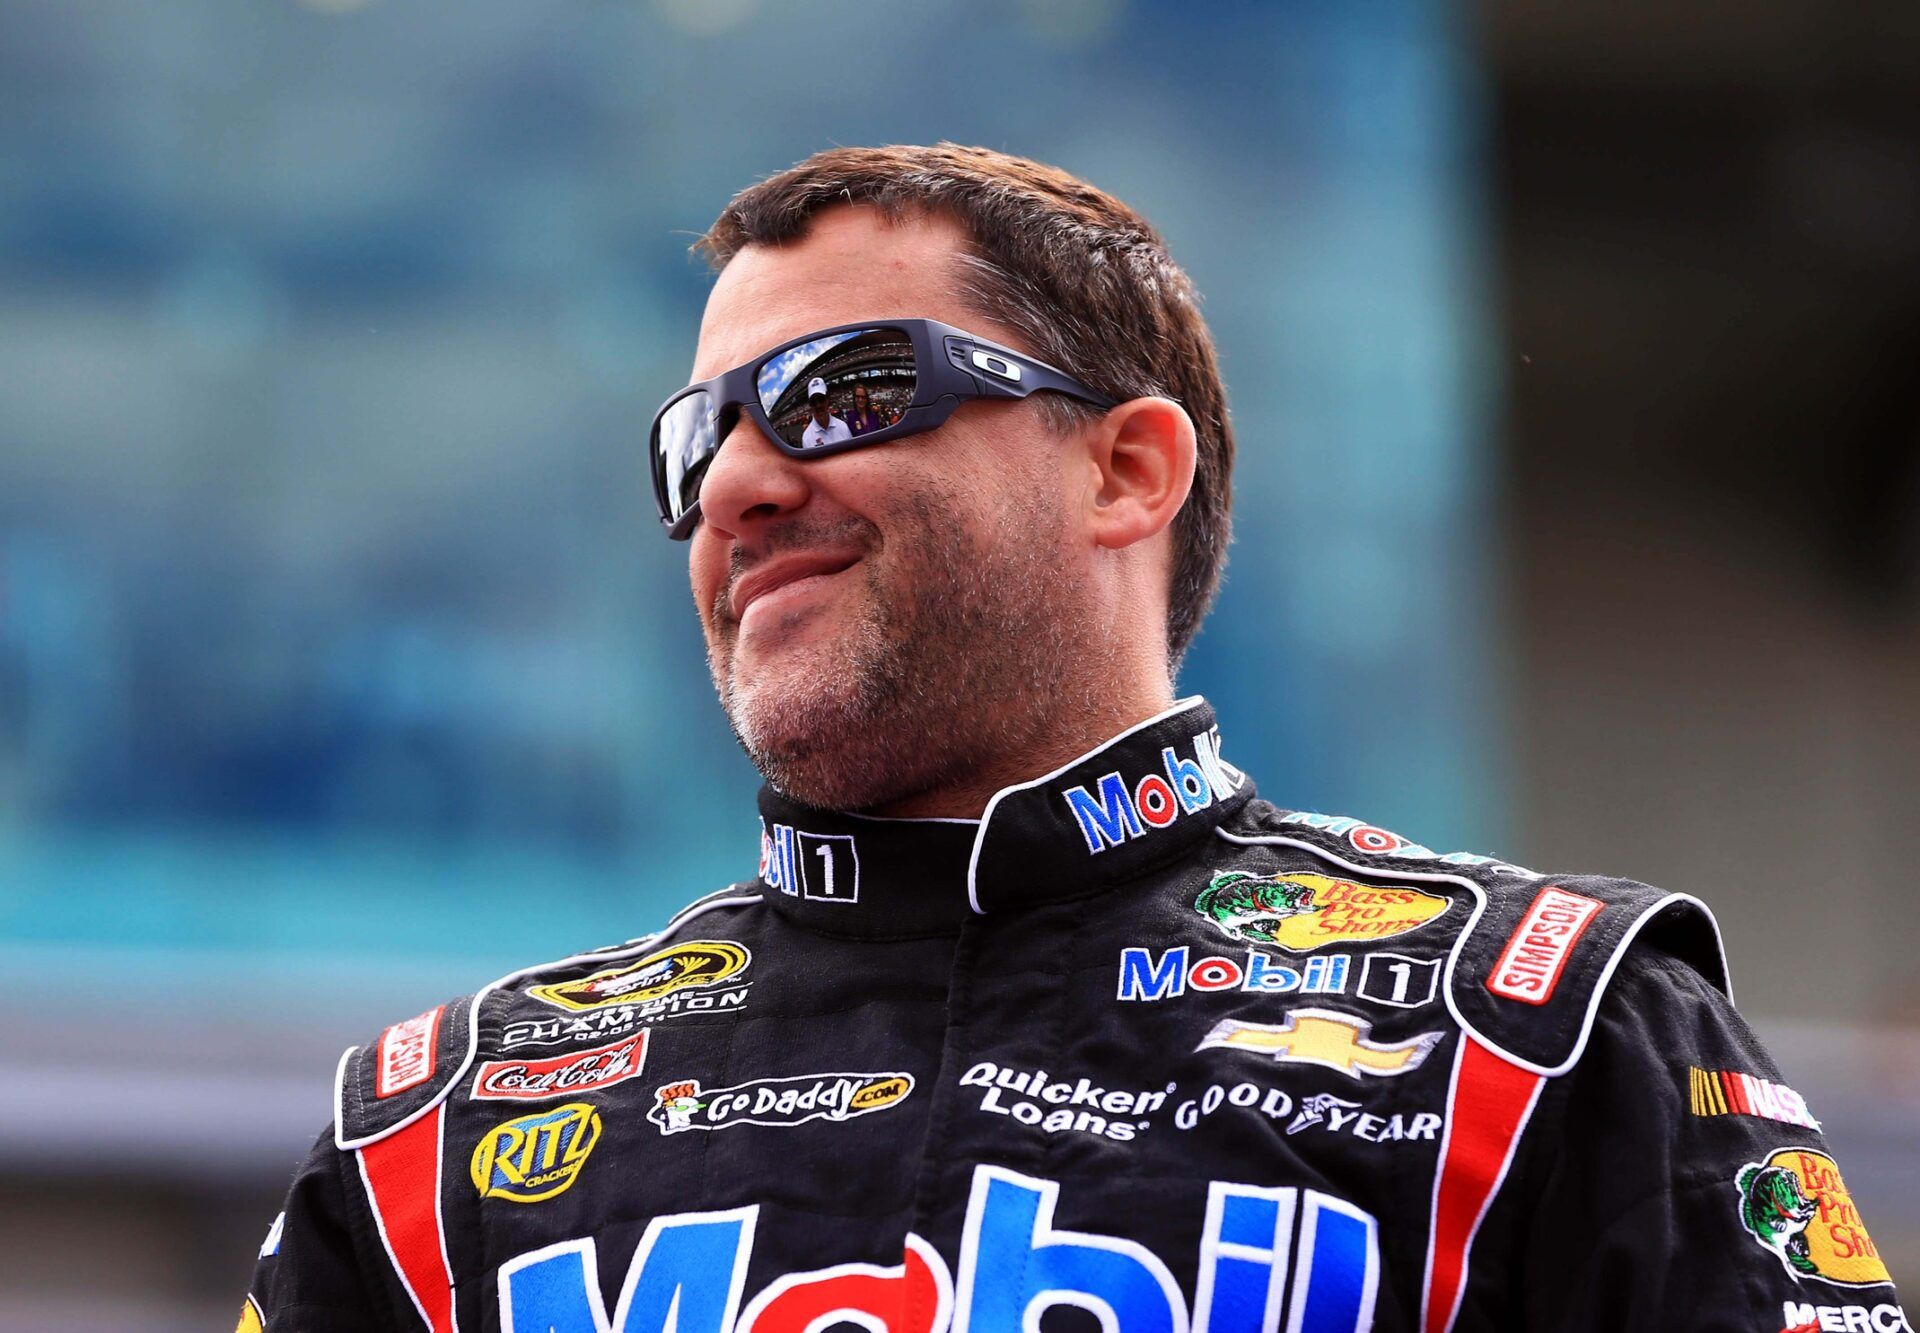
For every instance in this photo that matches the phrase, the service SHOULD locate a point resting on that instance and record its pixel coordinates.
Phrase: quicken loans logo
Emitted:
(1113, 812)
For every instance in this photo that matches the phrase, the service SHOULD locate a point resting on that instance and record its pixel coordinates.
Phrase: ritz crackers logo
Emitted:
(695, 964)
(1795, 1206)
(536, 1156)
(1113, 813)
(1300, 911)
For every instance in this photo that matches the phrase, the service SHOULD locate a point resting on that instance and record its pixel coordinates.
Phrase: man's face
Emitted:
(819, 406)
(880, 621)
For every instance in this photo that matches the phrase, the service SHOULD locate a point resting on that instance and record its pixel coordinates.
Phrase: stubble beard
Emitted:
(956, 662)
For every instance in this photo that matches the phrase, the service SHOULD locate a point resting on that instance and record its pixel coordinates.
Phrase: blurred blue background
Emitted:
(334, 600)
(343, 667)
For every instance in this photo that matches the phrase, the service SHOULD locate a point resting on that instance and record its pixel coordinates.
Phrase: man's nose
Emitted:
(750, 482)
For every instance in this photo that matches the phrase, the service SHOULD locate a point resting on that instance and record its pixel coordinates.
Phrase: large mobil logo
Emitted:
(1118, 808)
(1260, 1249)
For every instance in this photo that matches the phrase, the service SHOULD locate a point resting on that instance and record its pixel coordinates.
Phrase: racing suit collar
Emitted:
(1131, 805)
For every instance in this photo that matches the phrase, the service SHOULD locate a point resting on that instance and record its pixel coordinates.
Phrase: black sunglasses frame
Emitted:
(951, 366)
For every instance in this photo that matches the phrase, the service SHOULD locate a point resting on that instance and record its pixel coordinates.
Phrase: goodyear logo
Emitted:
(1796, 1207)
(690, 966)
(1300, 911)
(535, 1157)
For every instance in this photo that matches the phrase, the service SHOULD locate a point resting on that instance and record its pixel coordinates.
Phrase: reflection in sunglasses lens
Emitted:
(808, 391)
(688, 439)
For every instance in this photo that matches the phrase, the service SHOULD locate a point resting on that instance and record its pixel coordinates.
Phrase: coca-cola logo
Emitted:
(561, 1075)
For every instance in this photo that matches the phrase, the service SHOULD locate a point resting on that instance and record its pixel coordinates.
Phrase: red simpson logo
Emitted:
(1530, 966)
(406, 1053)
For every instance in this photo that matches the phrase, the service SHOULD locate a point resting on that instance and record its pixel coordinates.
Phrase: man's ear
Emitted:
(1143, 457)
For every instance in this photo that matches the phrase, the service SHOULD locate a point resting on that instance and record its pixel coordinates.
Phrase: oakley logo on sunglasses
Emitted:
(996, 365)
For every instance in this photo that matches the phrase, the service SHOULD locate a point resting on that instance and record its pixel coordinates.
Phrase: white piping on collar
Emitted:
(904, 819)
(986, 816)
(693, 909)
(1473, 919)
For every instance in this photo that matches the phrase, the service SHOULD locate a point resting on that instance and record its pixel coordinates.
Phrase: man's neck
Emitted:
(1066, 735)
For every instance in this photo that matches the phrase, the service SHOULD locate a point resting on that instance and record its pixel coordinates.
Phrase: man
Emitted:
(1126, 1046)
(824, 428)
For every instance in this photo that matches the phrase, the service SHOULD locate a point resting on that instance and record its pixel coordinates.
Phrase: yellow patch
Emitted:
(681, 967)
(1837, 1240)
(1345, 911)
(880, 1093)
(250, 1321)
(1324, 1037)
(535, 1157)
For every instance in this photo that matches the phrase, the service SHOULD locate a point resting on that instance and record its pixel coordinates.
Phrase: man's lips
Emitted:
(780, 571)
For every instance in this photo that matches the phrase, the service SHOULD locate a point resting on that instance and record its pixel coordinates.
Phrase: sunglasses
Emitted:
(920, 367)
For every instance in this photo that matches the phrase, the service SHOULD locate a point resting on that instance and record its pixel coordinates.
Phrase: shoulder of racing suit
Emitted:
(1532, 956)
(413, 1066)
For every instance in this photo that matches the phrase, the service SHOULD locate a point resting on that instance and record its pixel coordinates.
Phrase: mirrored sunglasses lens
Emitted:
(838, 387)
(684, 444)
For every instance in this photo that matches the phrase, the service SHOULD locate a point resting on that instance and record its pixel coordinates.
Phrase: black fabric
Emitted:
(1548, 1034)
(1144, 1020)
(926, 877)
(365, 1114)
(1633, 1201)
(313, 1275)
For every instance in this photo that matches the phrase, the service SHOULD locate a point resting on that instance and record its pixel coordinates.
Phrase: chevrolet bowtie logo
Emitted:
(1324, 1037)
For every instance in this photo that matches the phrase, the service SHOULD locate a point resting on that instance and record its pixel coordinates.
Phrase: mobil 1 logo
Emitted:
(821, 867)
(1394, 978)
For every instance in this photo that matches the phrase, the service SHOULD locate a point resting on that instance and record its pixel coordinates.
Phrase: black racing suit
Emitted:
(1135, 1051)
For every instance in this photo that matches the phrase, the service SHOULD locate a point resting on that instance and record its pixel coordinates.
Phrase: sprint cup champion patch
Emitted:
(776, 1102)
(694, 965)
(1300, 911)
(537, 1156)
(1796, 1207)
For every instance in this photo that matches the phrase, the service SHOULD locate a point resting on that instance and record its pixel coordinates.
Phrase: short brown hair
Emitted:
(1084, 279)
